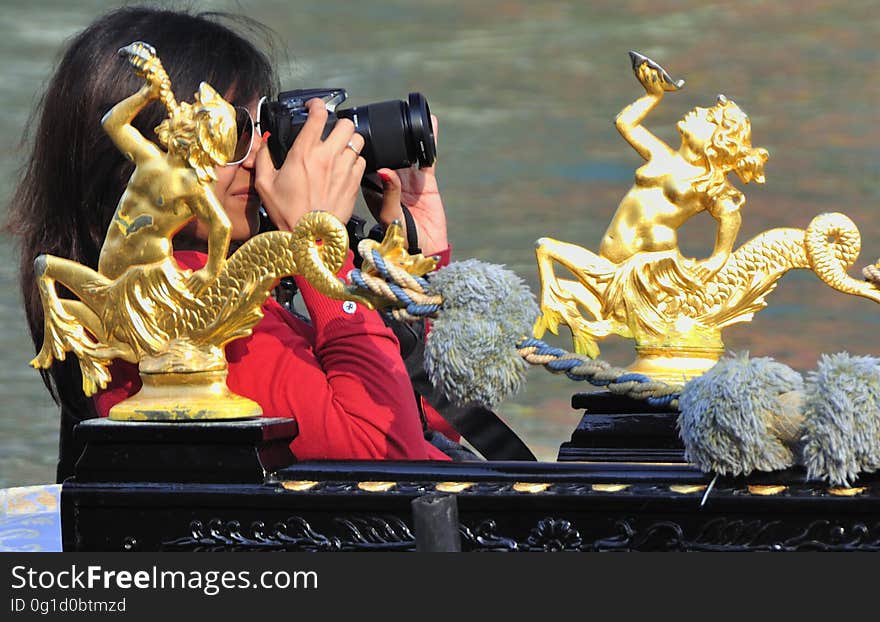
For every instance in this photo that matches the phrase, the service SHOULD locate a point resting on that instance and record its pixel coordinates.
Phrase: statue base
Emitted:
(615, 428)
(197, 451)
(190, 396)
(675, 364)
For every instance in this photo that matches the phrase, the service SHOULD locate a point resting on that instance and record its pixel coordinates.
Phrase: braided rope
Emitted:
(397, 274)
(394, 286)
(872, 274)
(599, 373)
(406, 296)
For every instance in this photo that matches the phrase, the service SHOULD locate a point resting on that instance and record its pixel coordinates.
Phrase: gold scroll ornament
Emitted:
(139, 306)
(639, 285)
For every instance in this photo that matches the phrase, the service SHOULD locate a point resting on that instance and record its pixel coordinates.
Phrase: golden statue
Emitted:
(640, 286)
(140, 306)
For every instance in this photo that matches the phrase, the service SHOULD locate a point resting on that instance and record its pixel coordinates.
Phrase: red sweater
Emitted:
(341, 378)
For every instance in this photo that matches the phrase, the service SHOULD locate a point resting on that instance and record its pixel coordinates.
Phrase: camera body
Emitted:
(397, 134)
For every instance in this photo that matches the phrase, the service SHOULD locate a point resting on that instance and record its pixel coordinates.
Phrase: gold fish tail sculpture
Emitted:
(150, 317)
(829, 247)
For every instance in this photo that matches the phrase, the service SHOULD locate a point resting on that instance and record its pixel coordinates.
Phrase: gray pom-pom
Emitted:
(842, 418)
(485, 289)
(730, 416)
(470, 354)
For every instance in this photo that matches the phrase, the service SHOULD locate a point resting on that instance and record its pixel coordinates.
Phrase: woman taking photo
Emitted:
(340, 375)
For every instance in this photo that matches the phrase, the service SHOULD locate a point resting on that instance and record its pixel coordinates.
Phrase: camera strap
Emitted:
(412, 231)
(356, 233)
(480, 426)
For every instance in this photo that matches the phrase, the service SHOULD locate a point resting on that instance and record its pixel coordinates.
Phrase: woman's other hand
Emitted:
(316, 175)
(417, 189)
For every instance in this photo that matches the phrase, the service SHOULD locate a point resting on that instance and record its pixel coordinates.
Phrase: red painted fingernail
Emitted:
(266, 135)
(386, 178)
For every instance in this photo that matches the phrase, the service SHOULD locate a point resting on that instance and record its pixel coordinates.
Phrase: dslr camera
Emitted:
(397, 133)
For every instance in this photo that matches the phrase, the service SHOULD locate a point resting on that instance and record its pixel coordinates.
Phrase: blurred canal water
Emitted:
(526, 92)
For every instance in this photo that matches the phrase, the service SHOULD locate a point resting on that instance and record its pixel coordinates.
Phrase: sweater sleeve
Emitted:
(445, 256)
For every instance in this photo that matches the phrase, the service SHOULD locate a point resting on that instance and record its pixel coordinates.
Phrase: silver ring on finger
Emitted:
(351, 146)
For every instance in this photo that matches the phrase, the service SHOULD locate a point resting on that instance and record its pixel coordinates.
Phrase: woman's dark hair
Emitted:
(74, 176)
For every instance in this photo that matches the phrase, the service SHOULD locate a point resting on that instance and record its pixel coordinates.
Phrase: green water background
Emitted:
(526, 93)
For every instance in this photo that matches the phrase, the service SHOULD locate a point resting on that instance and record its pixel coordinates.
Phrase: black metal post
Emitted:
(435, 522)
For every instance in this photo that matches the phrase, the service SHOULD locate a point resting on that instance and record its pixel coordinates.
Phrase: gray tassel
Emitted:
(742, 415)
(470, 354)
(842, 418)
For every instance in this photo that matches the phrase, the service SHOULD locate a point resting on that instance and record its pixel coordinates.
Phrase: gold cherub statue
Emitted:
(640, 286)
(140, 306)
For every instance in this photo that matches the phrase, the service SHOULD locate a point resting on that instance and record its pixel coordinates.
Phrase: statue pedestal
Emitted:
(676, 364)
(621, 429)
(185, 396)
(186, 452)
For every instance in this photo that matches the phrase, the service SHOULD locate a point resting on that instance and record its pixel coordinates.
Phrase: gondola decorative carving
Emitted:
(549, 534)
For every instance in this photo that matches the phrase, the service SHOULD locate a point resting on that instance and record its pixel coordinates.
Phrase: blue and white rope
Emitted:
(406, 295)
(599, 373)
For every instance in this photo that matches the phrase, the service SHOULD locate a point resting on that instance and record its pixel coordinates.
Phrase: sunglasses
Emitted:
(246, 128)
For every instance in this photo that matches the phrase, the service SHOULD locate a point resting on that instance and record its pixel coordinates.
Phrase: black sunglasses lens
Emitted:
(245, 129)
(265, 117)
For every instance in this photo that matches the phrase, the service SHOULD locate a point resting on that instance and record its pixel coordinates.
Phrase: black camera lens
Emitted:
(397, 134)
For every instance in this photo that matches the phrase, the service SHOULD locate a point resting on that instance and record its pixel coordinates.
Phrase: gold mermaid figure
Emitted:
(141, 307)
(674, 185)
(639, 285)
(640, 248)
(166, 190)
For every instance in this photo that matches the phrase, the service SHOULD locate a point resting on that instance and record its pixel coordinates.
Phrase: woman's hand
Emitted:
(316, 175)
(417, 189)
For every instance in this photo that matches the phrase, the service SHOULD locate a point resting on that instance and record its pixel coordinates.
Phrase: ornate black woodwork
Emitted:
(618, 503)
(616, 428)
